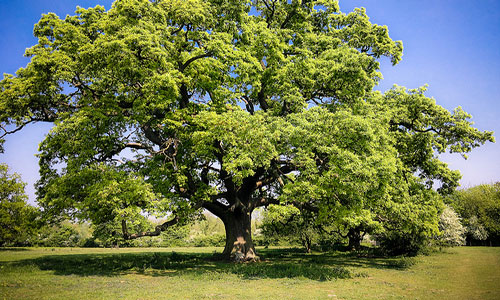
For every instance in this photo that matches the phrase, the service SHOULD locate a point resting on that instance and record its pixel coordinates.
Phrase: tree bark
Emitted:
(307, 243)
(355, 237)
(239, 245)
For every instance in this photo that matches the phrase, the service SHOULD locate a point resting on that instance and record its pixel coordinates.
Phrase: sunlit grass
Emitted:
(194, 273)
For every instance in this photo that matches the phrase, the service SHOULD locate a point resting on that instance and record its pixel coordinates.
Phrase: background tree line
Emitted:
(469, 217)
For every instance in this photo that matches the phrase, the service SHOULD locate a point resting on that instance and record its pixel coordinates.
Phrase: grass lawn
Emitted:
(190, 273)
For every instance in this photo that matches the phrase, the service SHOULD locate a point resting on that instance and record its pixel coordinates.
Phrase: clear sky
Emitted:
(451, 45)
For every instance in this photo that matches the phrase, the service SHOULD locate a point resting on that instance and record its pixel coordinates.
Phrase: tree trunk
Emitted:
(239, 245)
(306, 242)
(355, 237)
(308, 246)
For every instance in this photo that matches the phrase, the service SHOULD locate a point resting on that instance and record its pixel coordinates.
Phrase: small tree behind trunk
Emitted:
(306, 242)
(355, 238)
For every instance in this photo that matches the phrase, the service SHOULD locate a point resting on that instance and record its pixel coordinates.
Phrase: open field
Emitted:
(190, 273)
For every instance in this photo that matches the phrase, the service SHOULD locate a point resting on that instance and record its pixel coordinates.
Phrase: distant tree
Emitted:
(479, 207)
(409, 224)
(475, 230)
(64, 234)
(227, 106)
(355, 224)
(110, 233)
(206, 231)
(287, 223)
(452, 232)
(17, 217)
(176, 236)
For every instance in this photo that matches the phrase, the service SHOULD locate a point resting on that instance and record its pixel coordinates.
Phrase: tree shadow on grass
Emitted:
(276, 263)
(367, 258)
(13, 249)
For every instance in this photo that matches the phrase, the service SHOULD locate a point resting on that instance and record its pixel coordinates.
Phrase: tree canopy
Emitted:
(167, 107)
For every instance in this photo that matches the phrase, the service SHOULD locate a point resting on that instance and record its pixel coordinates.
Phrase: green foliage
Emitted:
(288, 224)
(411, 222)
(17, 218)
(479, 208)
(107, 197)
(215, 240)
(423, 129)
(176, 236)
(230, 106)
(475, 230)
(62, 235)
(207, 232)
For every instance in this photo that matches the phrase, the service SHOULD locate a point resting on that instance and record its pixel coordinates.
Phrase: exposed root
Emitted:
(239, 257)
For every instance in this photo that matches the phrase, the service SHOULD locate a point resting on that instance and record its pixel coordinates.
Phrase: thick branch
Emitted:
(158, 229)
(281, 171)
(272, 10)
(120, 148)
(288, 18)
(261, 97)
(264, 201)
(224, 176)
(174, 32)
(81, 86)
(184, 100)
(410, 126)
(138, 146)
(331, 232)
(192, 59)
(152, 135)
(215, 207)
(264, 182)
(287, 168)
(248, 104)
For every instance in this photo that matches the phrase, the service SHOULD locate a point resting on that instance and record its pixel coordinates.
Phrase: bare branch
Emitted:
(138, 146)
(6, 132)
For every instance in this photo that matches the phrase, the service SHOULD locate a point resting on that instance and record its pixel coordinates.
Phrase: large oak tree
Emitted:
(167, 107)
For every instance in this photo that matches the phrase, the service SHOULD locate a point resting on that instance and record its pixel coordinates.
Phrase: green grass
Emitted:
(193, 273)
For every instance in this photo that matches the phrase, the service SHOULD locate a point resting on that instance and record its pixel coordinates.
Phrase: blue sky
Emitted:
(451, 45)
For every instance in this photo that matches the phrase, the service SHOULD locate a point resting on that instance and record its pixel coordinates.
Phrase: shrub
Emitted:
(214, 240)
(404, 243)
(63, 235)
